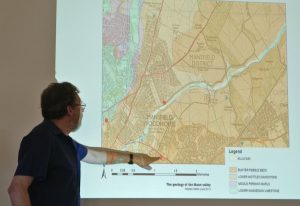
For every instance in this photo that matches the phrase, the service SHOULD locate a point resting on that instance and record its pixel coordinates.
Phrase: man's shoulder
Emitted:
(40, 131)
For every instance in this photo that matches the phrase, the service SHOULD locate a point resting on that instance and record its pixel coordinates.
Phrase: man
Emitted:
(48, 171)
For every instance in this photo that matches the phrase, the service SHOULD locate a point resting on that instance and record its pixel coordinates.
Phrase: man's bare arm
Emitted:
(18, 190)
(100, 155)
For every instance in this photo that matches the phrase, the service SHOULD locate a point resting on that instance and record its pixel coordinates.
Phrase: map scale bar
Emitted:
(158, 174)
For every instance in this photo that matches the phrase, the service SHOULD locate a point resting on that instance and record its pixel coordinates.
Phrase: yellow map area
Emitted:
(209, 75)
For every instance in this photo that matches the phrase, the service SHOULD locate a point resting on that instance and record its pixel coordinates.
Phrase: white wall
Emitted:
(27, 48)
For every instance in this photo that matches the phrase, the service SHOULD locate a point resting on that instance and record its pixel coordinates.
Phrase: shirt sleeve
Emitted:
(33, 158)
(80, 149)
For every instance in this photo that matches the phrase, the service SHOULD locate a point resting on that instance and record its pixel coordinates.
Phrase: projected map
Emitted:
(185, 79)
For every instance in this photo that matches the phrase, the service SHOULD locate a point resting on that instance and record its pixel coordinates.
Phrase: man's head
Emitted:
(61, 100)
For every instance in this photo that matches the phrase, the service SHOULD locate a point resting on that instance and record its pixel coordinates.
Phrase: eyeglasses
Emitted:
(82, 105)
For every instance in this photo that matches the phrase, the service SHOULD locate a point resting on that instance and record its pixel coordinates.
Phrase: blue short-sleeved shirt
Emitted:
(53, 159)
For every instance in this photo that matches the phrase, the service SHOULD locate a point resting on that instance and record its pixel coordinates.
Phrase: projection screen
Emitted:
(208, 86)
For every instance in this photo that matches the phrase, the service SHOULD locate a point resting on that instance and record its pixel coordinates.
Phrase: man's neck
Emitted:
(63, 125)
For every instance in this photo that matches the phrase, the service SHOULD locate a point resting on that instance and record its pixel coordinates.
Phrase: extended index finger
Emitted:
(153, 159)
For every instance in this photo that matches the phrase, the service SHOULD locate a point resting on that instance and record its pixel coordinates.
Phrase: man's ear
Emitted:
(70, 110)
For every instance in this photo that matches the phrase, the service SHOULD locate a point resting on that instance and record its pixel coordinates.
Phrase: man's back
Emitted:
(50, 157)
